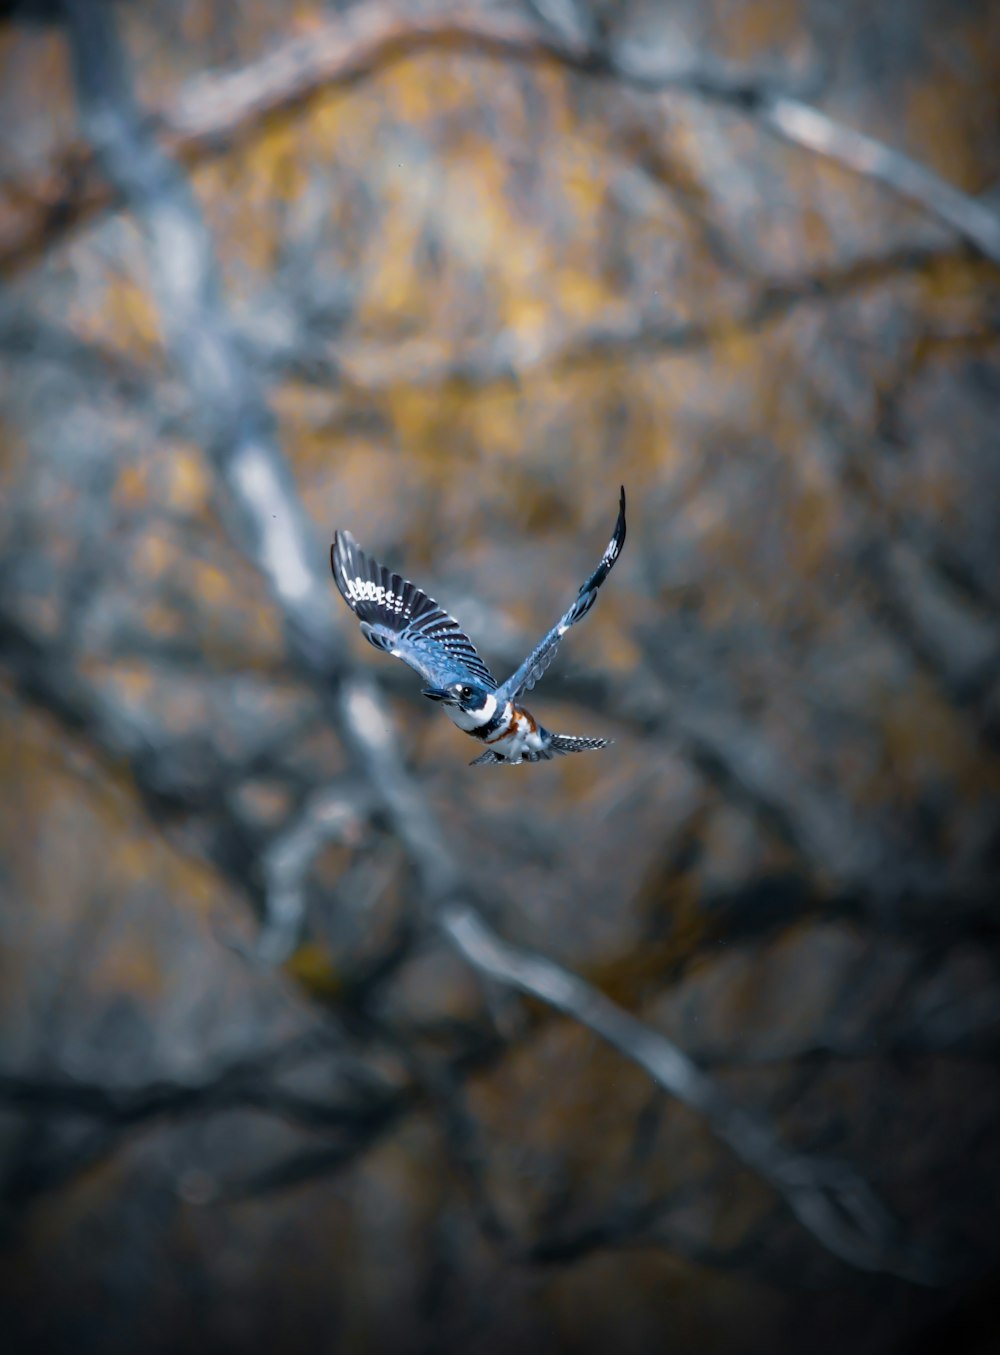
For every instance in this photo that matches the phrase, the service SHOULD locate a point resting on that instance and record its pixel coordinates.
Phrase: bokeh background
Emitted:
(251, 1096)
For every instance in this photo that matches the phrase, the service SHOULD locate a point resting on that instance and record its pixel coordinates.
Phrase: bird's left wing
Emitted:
(545, 651)
(398, 617)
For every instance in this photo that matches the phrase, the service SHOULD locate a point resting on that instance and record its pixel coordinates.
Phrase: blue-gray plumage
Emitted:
(399, 618)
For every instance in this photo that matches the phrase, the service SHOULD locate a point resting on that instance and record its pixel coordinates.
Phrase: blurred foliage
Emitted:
(479, 295)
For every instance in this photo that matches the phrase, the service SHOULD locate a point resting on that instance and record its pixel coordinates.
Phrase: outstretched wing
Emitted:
(397, 617)
(544, 652)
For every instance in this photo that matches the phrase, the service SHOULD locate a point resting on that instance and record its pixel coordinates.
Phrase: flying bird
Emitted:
(398, 617)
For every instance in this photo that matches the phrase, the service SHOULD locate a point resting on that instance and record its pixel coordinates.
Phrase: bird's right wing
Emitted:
(545, 651)
(398, 617)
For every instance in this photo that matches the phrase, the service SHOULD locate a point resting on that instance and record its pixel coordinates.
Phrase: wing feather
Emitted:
(545, 651)
(401, 619)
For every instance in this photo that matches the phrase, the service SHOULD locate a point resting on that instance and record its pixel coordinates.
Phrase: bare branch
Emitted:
(371, 368)
(835, 1204)
(816, 131)
(234, 423)
(328, 816)
(214, 111)
(107, 1114)
(242, 1083)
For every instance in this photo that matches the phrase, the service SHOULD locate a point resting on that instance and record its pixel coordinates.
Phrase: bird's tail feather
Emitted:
(573, 743)
(487, 759)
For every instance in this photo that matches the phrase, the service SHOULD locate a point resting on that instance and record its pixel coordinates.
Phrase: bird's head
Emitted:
(469, 698)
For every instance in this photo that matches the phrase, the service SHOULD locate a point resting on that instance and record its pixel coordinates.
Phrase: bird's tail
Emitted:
(573, 743)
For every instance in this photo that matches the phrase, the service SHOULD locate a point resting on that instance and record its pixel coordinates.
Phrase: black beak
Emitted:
(440, 694)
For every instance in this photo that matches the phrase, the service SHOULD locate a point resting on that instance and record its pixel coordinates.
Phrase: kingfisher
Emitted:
(399, 618)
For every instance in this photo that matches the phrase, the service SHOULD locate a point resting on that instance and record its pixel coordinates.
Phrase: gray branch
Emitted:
(213, 111)
(829, 1198)
(329, 816)
(810, 128)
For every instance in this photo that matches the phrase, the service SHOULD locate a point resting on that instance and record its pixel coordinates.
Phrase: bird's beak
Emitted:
(440, 694)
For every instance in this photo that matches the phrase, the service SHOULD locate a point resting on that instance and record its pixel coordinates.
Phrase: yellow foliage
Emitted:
(813, 521)
(412, 90)
(753, 30)
(581, 294)
(310, 965)
(927, 740)
(132, 315)
(529, 317)
(132, 485)
(939, 138)
(161, 621)
(212, 585)
(188, 482)
(278, 171)
(12, 457)
(129, 967)
(153, 554)
(134, 683)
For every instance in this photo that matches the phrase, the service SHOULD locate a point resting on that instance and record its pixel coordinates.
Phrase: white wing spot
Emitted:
(364, 590)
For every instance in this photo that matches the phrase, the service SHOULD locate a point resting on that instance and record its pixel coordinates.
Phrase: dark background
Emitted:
(446, 275)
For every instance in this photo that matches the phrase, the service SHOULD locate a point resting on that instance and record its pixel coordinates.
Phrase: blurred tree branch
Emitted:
(181, 782)
(351, 1121)
(242, 1083)
(214, 112)
(330, 814)
(828, 1198)
(369, 369)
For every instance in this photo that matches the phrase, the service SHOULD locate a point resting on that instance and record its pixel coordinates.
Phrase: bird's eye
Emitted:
(465, 693)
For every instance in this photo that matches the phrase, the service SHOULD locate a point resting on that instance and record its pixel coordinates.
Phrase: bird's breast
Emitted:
(519, 734)
(476, 721)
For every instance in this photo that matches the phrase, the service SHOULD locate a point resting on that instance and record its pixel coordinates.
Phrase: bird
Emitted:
(399, 618)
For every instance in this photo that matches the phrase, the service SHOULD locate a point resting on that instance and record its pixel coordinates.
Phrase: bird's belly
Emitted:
(523, 737)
